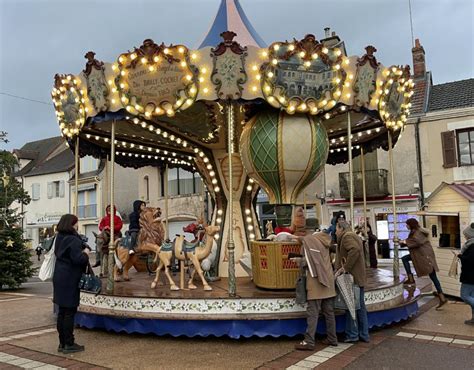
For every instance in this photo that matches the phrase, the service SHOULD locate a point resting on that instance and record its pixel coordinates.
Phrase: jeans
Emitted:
(467, 295)
(315, 306)
(65, 325)
(358, 328)
(434, 278)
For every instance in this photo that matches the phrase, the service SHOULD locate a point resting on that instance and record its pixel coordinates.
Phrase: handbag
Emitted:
(46, 271)
(89, 281)
(300, 288)
(454, 268)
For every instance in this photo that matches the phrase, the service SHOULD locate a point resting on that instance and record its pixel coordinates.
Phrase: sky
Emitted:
(42, 37)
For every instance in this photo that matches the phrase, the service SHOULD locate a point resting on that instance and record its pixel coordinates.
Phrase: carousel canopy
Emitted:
(231, 16)
(169, 103)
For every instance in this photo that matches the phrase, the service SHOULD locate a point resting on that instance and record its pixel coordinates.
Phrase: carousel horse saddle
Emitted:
(190, 246)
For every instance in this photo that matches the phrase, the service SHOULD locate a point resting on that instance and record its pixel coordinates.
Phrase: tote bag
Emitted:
(46, 271)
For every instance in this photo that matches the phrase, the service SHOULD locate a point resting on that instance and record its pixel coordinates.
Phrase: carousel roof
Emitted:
(230, 16)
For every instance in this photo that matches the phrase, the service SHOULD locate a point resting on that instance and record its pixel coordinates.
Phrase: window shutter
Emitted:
(50, 190)
(448, 141)
(61, 189)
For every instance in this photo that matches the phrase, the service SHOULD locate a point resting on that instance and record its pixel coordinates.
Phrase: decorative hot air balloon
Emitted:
(283, 153)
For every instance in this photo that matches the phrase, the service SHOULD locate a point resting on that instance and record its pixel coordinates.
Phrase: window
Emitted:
(35, 191)
(181, 182)
(465, 140)
(88, 164)
(56, 189)
(146, 181)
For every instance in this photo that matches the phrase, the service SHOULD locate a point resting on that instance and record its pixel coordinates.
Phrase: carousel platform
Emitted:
(134, 307)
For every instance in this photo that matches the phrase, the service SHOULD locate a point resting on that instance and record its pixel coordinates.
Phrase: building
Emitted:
(46, 170)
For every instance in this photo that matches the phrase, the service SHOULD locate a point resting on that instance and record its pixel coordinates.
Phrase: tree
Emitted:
(15, 264)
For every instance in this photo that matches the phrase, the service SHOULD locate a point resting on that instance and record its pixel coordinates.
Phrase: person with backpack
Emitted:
(134, 226)
(72, 258)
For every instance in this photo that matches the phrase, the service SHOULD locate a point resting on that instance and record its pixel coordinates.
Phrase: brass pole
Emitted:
(76, 177)
(396, 262)
(111, 260)
(230, 245)
(167, 229)
(364, 196)
(351, 169)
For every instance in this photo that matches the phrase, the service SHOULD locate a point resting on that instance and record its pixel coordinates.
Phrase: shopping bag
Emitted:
(348, 294)
(454, 267)
(46, 271)
(90, 282)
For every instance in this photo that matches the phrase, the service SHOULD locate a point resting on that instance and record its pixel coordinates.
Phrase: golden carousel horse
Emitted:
(150, 237)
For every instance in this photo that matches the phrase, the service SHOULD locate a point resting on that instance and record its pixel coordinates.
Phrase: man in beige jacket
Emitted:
(320, 288)
(350, 258)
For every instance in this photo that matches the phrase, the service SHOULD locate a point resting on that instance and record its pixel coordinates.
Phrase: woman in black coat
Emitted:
(71, 261)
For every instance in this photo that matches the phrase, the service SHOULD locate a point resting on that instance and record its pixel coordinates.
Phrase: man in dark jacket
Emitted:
(134, 226)
(467, 270)
(72, 258)
(350, 258)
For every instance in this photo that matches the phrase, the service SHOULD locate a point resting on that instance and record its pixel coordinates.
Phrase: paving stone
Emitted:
(18, 361)
(442, 339)
(32, 364)
(424, 337)
(405, 334)
(307, 364)
(317, 358)
(463, 342)
(325, 354)
(295, 367)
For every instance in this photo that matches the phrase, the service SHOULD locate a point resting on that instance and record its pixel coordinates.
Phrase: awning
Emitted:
(427, 213)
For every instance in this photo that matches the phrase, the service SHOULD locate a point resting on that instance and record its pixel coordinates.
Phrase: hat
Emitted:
(469, 231)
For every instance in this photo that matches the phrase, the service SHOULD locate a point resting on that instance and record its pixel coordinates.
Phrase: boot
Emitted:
(410, 280)
(442, 301)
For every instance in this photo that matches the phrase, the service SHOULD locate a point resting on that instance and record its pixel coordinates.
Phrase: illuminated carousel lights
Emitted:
(275, 52)
(248, 218)
(165, 134)
(405, 86)
(173, 54)
(69, 83)
(359, 134)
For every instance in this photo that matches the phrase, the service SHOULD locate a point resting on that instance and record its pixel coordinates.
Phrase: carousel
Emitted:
(245, 116)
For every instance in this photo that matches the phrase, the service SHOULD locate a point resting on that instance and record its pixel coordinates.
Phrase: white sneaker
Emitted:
(131, 251)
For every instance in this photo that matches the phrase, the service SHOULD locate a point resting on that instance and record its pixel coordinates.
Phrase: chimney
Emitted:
(419, 66)
(326, 32)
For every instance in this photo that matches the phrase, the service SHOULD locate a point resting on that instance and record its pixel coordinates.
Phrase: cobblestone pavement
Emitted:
(28, 339)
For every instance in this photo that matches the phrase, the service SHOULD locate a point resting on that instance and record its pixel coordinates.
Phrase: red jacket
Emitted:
(105, 222)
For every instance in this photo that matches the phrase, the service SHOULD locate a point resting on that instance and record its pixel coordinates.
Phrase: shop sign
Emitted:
(405, 209)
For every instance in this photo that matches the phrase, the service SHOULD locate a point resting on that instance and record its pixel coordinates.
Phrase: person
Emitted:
(422, 255)
(104, 228)
(134, 227)
(372, 240)
(72, 257)
(339, 216)
(350, 258)
(39, 250)
(320, 288)
(467, 270)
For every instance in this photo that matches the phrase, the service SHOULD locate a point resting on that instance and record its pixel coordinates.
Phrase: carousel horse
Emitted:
(102, 244)
(183, 250)
(150, 237)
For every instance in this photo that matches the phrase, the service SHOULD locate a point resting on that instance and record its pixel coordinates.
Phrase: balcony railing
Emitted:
(89, 211)
(376, 183)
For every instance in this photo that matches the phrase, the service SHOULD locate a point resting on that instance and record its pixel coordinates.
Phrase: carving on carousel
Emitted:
(157, 80)
(228, 67)
(97, 88)
(303, 76)
(366, 77)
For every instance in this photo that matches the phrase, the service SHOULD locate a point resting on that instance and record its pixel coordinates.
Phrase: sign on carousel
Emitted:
(156, 80)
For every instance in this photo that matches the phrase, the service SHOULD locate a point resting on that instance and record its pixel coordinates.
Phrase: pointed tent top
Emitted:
(231, 17)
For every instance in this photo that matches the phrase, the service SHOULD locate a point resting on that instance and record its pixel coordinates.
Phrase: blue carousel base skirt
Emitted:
(233, 328)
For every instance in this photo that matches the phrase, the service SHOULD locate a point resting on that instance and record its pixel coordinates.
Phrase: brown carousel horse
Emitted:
(150, 237)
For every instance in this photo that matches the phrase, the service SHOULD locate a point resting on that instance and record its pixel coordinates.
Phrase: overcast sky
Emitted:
(42, 37)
